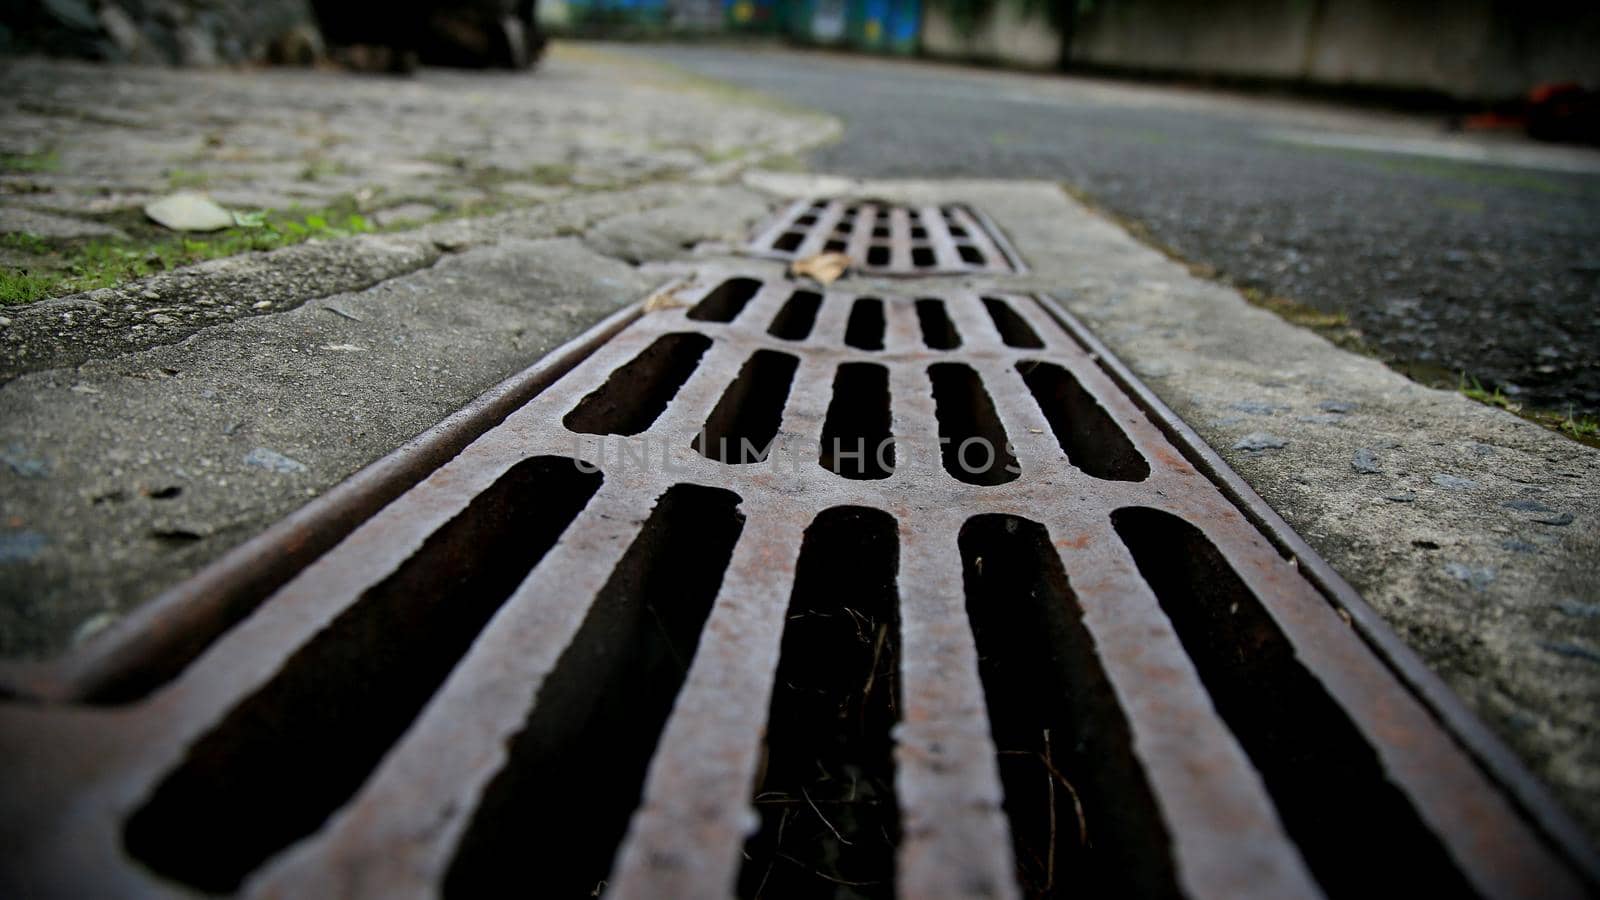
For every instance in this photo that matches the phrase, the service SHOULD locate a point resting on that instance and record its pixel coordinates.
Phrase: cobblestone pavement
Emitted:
(538, 195)
(88, 146)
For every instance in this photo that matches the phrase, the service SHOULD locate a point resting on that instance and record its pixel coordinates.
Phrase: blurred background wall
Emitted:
(174, 32)
(1466, 50)
(1469, 49)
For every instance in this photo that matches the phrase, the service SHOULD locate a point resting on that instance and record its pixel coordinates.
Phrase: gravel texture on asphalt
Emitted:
(1445, 266)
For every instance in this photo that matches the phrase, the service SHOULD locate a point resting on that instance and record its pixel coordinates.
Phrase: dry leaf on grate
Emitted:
(666, 298)
(823, 268)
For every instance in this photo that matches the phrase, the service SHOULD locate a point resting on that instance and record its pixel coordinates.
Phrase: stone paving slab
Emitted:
(123, 475)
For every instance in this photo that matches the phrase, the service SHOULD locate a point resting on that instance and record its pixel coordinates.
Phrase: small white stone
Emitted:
(189, 211)
(261, 304)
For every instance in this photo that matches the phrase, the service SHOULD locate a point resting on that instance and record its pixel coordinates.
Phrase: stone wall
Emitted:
(1468, 49)
(1005, 34)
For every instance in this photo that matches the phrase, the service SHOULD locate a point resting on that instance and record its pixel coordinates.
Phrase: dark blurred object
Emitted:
(175, 32)
(1565, 112)
(500, 34)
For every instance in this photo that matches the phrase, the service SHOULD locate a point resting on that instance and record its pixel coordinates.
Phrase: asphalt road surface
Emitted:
(1444, 263)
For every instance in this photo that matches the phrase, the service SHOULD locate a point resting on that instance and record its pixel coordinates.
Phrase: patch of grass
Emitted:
(553, 174)
(726, 154)
(42, 161)
(319, 169)
(784, 162)
(454, 160)
(1296, 312)
(1460, 204)
(1459, 171)
(1468, 173)
(184, 179)
(27, 243)
(1472, 389)
(1583, 429)
(1334, 326)
(76, 266)
(17, 286)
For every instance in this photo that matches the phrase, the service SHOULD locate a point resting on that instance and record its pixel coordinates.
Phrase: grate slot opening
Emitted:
(1014, 330)
(938, 332)
(797, 317)
(789, 241)
(744, 422)
(550, 821)
(1083, 819)
(1326, 781)
(857, 442)
(923, 257)
(970, 254)
(1088, 435)
(826, 802)
(725, 301)
(864, 329)
(291, 754)
(638, 392)
(972, 441)
(878, 255)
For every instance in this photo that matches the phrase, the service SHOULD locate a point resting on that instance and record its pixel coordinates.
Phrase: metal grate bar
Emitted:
(685, 839)
(956, 841)
(899, 239)
(868, 222)
(939, 239)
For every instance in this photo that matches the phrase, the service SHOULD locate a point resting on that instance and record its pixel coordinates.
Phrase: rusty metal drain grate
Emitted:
(780, 593)
(890, 239)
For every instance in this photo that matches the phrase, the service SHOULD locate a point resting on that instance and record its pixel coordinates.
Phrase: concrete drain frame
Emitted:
(717, 602)
(883, 238)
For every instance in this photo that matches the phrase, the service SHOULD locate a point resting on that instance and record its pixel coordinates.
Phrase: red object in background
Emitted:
(1564, 112)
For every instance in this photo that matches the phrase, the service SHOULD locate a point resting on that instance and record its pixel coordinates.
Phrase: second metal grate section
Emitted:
(890, 239)
(785, 593)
